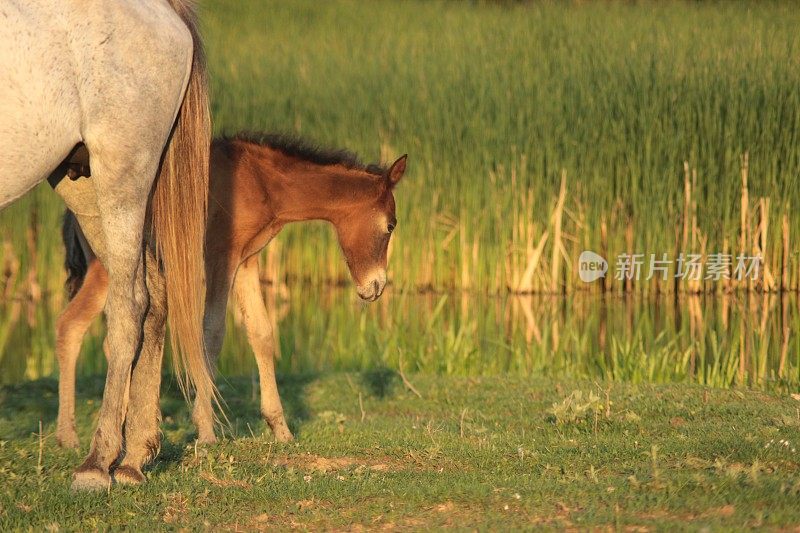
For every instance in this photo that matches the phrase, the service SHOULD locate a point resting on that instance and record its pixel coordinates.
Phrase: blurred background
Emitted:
(535, 130)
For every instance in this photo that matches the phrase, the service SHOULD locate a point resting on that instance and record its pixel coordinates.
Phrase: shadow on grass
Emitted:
(242, 408)
(380, 381)
(23, 405)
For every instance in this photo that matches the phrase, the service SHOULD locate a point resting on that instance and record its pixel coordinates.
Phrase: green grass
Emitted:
(471, 453)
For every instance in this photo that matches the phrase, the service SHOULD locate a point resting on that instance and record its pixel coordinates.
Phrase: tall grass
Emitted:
(495, 103)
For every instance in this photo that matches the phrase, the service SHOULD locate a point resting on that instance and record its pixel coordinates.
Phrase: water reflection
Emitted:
(722, 341)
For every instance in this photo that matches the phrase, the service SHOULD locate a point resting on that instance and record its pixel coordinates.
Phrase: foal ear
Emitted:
(397, 170)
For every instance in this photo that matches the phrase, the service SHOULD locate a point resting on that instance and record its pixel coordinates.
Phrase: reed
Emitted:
(644, 114)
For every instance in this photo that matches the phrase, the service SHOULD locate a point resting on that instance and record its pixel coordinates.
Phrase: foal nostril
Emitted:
(376, 289)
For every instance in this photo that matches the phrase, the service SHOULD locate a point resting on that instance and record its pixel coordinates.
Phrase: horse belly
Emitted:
(39, 106)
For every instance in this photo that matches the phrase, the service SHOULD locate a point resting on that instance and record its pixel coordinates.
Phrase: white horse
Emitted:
(123, 82)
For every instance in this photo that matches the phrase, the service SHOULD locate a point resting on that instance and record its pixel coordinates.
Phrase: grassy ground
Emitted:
(492, 102)
(471, 452)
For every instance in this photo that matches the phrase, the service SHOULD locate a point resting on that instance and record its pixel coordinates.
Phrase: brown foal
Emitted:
(257, 186)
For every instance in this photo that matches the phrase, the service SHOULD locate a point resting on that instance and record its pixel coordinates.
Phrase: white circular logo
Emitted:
(591, 266)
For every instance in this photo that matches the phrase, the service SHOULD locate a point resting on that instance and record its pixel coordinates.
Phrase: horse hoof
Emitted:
(68, 439)
(90, 479)
(128, 475)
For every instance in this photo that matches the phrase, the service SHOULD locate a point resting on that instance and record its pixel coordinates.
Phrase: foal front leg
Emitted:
(71, 327)
(142, 437)
(247, 288)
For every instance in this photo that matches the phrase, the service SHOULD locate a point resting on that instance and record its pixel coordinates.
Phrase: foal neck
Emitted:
(257, 188)
(302, 189)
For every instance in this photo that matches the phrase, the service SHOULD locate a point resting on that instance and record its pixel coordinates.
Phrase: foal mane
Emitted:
(294, 146)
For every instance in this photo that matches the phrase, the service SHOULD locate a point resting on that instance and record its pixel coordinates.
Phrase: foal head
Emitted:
(364, 232)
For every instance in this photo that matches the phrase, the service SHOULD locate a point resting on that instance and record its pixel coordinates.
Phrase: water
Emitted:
(723, 341)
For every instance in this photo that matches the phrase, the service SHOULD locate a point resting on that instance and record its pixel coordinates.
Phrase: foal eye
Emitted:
(391, 227)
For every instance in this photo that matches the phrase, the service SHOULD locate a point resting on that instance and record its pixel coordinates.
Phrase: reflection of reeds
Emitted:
(10, 271)
(785, 335)
(606, 337)
(785, 283)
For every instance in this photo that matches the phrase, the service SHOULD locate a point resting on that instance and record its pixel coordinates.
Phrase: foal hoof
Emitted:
(282, 434)
(90, 479)
(128, 475)
(67, 439)
(206, 439)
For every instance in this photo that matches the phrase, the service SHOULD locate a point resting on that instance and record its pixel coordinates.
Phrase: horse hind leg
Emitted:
(122, 184)
(142, 438)
(71, 327)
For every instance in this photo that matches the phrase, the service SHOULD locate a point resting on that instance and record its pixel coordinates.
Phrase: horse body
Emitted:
(256, 188)
(56, 87)
(41, 118)
(112, 75)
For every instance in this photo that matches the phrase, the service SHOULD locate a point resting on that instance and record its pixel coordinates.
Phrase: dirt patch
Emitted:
(677, 421)
(321, 515)
(175, 509)
(725, 511)
(446, 507)
(319, 464)
(287, 519)
(227, 483)
(446, 515)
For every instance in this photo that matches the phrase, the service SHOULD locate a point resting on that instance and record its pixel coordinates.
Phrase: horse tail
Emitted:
(75, 261)
(178, 212)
